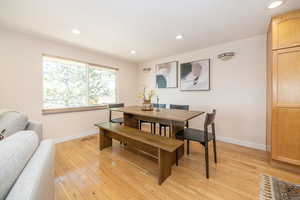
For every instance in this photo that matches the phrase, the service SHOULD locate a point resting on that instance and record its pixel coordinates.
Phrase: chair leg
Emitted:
(215, 150)
(176, 157)
(140, 125)
(188, 147)
(159, 129)
(165, 130)
(206, 160)
(154, 126)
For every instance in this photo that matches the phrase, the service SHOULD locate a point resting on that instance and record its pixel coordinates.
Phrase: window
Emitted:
(71, 84)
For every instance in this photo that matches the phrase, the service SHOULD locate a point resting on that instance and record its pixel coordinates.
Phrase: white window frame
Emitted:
(46, 111)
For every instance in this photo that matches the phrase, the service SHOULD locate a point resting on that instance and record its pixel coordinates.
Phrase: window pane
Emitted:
(102, 86)
(65, 83)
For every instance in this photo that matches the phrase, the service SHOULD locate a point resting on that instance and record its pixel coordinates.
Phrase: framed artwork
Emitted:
(166, 75)
(195, 76)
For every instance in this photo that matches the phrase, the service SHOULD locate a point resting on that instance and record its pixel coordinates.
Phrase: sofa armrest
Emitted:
(36, 181)
(36, 127)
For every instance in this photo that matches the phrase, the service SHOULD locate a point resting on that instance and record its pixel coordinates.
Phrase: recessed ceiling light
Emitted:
(133, 52)
(275, 4)
(76, 31)
(179, 37)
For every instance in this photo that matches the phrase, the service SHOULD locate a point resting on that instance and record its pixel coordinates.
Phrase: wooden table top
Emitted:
(167, 114)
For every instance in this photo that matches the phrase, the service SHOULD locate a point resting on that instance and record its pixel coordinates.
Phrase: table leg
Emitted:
(131, 121)
(175, 128)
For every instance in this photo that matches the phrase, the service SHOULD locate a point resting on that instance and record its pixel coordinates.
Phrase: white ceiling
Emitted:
(147, 26)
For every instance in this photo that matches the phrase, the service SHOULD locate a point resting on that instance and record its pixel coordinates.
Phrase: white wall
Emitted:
(238, 86)
(238, 90)
(21, 82)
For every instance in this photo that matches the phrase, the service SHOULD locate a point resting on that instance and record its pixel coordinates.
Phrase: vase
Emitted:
(147, 105)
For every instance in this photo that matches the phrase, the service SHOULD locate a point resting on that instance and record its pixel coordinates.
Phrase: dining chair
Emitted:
(159, 105)
(153, 124)
(119, 120)
(181, 107)
(174, 106)
(202, 136)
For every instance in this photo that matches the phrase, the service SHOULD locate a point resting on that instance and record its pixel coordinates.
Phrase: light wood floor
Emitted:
(83, 172)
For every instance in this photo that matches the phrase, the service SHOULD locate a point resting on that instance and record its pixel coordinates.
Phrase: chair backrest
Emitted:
(180, 107)
(159, 105)
(210, 120)
(116, 105)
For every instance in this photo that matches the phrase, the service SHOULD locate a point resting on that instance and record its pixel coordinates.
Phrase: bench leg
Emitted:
(105, 141)
(165, 161)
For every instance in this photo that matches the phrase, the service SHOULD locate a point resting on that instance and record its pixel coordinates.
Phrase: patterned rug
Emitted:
(274, 189)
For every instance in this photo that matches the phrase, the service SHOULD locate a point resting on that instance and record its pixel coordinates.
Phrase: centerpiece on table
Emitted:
(147, 96)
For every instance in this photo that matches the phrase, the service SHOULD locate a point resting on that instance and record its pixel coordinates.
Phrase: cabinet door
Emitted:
(286, 77)
(286, 105)
(286, 30)
(286, 135)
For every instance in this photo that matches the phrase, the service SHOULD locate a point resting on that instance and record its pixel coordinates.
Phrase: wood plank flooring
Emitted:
(82, 172)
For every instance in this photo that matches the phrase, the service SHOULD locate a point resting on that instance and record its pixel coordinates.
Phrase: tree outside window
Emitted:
(74, 84)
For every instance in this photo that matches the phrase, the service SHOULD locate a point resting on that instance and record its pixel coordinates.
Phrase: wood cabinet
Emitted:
(286, 135)
(286, 30)
(283, 88)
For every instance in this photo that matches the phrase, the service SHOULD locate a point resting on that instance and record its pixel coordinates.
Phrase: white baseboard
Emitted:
(64, 139)
(223, 139)
(242, 143)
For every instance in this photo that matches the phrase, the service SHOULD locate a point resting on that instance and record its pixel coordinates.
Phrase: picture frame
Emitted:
(195, 75)
(167, 75)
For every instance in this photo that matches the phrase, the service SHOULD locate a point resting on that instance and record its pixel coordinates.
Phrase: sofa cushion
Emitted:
(35, 126)
(12, 122)
(37, 179)
(15, 152)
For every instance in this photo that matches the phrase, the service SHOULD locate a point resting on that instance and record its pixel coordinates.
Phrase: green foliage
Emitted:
(102, 86)
(72, 84)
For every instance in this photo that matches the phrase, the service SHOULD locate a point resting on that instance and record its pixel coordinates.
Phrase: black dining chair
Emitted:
(153, 124)
(202, 136)
(115, 120)
(159, 105)
(181, 107)
(174, 106)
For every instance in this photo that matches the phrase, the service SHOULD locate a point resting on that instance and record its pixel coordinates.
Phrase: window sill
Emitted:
(73, 109)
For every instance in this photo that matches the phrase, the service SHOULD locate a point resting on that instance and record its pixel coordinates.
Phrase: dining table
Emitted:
(174, 118)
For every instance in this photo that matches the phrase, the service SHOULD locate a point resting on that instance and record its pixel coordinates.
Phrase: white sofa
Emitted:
(26, 163)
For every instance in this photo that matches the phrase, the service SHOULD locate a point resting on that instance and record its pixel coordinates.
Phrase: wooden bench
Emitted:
(164, 149)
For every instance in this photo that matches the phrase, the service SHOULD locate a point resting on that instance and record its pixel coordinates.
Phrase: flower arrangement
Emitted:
(147, 95)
